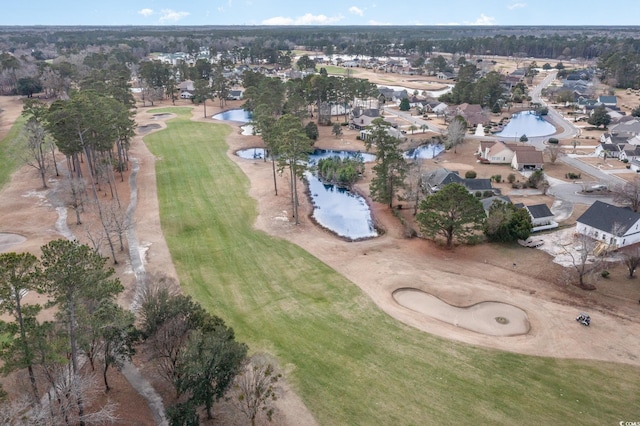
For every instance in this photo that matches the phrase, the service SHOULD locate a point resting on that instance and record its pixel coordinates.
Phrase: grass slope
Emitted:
(351, 363)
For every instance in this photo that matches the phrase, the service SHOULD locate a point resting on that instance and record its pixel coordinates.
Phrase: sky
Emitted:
(319, 12)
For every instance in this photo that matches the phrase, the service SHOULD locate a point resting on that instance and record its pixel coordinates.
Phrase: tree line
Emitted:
(195, 352)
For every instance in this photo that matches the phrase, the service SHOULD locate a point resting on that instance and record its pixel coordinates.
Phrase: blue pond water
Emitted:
(239, 115)
(343, 212)
(424, 151)
(527, 123)
(336, 209)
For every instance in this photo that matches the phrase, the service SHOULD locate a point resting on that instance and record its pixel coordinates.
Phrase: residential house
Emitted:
(416, 101)
(391, 131)
(608, 101)
(629, 152)
(514, 78)
(472, 113)
(186, 86)
(434, 106)
(478, 185)
(529, 159)
(628, 128)
(500, 152)
(235, 95)
(362, 118)
(434, 180)
(612, 225)
(611, 145)
(444, 75)
(489, 201)
(541, 217)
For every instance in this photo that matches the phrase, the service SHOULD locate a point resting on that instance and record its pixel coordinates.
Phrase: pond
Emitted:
(424, 151)
(239, 115)
(339, 210)
(527, 123)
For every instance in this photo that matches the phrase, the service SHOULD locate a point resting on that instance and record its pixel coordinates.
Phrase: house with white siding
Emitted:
(612, 225)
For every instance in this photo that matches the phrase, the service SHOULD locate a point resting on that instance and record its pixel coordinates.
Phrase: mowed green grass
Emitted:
(334, 70)
(351, 363)
(10, 158)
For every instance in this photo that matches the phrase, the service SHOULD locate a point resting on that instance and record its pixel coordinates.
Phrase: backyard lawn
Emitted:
(350, 362)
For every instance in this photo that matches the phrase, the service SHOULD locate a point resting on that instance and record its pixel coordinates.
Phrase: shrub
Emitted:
(572, 175)
(626, 160)
(487, 194)
(605, 274)
(511, 178)
(470, 174)
(497, 178)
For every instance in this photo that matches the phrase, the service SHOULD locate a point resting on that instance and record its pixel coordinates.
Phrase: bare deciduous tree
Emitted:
(583, 260)
(74, 195)
(256, 388)
(168, 344)
(455, 134)
(35, 140)
(62, 405)
(628, 194)
(631, 259)
(554, 151)
(119, 224)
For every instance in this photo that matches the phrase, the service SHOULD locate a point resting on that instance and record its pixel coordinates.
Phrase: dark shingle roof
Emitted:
(609, 218)
(539, 210)
(478, 184)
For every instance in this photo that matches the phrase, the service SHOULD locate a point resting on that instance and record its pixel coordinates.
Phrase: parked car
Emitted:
(531, 242)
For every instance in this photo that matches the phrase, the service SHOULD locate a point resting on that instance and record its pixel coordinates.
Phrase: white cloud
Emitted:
(356, 11)
(306, 19)
(146, 12)
(516, 6)
(169, 15)
(373, 22)
(484, 20)
(278, 20)
(309, 19)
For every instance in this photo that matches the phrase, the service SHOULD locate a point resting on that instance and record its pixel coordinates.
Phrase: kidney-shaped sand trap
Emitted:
(9, 240)
(491, 318)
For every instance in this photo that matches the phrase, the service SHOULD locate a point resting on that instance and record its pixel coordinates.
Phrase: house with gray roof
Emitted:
(628, 128)
(490, 201)
(541, 217)
(608, 101)
(612, 225)
(434, 180)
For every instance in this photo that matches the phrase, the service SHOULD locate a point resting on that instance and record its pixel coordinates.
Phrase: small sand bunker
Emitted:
(9, 240)
(161, 115)
(148, 127)
(491, 318)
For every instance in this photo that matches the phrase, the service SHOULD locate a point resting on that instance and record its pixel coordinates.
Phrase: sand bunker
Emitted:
(9, 240)
(491, 318)
(148, 127)
(161, 115)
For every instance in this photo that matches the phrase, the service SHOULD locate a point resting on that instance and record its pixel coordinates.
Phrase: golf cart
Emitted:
(584, 319)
